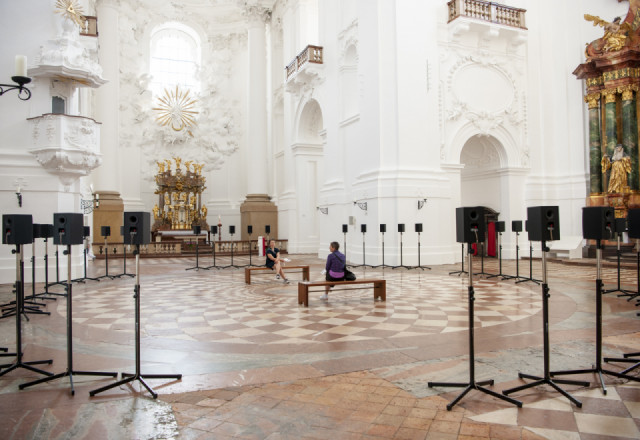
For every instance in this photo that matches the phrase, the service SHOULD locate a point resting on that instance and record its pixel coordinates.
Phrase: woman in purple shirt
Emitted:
(334, 268)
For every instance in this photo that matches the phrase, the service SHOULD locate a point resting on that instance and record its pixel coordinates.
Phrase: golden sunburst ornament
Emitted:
(176, 109)
(70, 9)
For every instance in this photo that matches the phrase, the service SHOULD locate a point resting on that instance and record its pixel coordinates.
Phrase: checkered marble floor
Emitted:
(195, 307)
(258, 365)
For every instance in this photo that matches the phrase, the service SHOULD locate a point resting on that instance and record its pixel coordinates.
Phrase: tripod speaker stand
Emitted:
(232, 230)
(533, 280)
(86, 234)
(11, 235)
(472, 230)
(214, 231)
(137, 224)
(499, 230)
(66, 223)
(418, 229)
(383, 229)
(461, 271)
(196, 232)
(401, 231)
(516, 226)
(106, 232)
(546, 379)
(620, 227)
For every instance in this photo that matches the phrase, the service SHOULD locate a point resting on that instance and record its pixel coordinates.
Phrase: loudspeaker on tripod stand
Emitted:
(68, 228)
(363, 228)
(598, 222)
(17, 229)
(345, 229)
(621, 225)
(214, 229)
(105, 231)
(516, 226)
(400, 227)
(418, 227)
(383, 227)
(232, 229)
(470, 224)
(543, 223)
(500, 227)
(633, 223)
(197, 229)
(137, 228)
(249, 229)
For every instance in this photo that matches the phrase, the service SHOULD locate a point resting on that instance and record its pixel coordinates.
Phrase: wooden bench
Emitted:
(249, 270)
(379, 288)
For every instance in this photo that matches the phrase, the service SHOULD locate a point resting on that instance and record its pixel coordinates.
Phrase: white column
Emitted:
(107, 176)
(257, 102)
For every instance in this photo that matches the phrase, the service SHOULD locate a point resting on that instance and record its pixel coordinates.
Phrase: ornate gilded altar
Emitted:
(179, 204)
(612, 75)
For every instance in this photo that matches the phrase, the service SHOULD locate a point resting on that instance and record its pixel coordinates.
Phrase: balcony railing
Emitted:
(487, 11)
(310, 54)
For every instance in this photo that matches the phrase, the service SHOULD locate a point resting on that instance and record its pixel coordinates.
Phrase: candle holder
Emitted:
(24, 93)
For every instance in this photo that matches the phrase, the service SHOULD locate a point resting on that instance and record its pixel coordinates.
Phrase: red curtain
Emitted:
(491, 240)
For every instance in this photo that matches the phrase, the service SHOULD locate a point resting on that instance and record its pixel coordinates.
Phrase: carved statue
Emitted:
(620, 166)
(160, 167)
(167, 199)
(615, 33)
(204, 212)
(178, 161)
(168, 161)
(156, 210)
(187, 164)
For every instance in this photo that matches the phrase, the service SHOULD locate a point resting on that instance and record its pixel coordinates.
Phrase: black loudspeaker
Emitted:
(470, 226)
(137, 228)
(42, 230)
(17, 228)
(400, 227)
(267, 229)
(500, 227)
(418, 227)
(249, 229)
(68, 228)
(621, 225)
(232, 229)
(526, 226)
(598, 222)
(363, 228)
(86, 231)
(633, 223)
(214, 229)
(345, 229)
(105, 231)
(196, 229)
(383, 227)
(516, 226)
(543, 223)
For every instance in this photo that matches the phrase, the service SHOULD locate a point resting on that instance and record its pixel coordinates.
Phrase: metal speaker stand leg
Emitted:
(85, 277)
(57, 281)
(419, 266)
(45, 294)
(401, 264)
(382, 265)
(619, 288)
(106, 261)
(70, 372)
(124, 263)
(629, 294)
(364, 260)
(213, 252)
(517, 275)
(461, 271)
(530, 278)
(19, 363)
(197, 266)
(499, 274)
(482, 272)
(546, 379)
(472, 384)
(250, 252)
(137, 376)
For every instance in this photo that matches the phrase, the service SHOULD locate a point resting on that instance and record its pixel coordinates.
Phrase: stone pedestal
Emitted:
(258, 211)
(109, 213)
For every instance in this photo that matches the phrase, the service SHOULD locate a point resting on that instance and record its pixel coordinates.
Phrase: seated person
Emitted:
(336, 262)
(273, 261)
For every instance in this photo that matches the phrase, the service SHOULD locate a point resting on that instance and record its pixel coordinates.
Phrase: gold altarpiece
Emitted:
(179, 204)
(612, 76)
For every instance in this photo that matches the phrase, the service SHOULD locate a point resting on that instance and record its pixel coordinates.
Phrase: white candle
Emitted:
(21, 65)
(18, 191)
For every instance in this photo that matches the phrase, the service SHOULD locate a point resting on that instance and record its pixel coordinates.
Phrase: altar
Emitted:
(179, 206)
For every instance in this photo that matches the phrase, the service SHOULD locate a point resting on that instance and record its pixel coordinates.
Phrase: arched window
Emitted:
(175, 58)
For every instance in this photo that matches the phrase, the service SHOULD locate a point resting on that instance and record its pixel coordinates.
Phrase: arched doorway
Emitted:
(307, 152)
